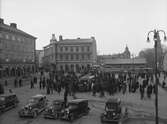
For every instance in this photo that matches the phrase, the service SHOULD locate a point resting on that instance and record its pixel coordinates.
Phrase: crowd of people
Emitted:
(113, 83)
(102, 83)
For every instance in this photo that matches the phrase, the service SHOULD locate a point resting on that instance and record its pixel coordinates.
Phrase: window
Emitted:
(88, 56)
(71, 49)
(72, 57)
(61, 57)
(82, 56)
(7, 36)
(13, 37)
(66, 57)
(66, 48)
(82, 48)
(1, 35)
(77, 49)
(88, 48)
(61, 49)
(77, 57)
(18, 38)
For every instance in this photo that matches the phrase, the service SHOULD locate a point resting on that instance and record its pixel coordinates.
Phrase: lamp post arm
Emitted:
(149, 33)
(162, 32)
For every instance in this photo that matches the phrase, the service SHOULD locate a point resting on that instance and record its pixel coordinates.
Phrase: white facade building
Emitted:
(71, 54)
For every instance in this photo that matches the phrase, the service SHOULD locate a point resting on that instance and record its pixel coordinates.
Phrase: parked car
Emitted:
(8, 101)
(85, 83)
(54, 110)
(76, 108)
(114, 112)
(34, 106)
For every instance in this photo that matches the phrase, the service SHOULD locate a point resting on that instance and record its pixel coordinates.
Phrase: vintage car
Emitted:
(114, 112)
(34, 106)
(53, 111)
(85, 83)
(8, 101)
(76, 108)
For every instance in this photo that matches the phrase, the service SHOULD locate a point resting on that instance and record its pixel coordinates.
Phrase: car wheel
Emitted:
(102, 118)
(56, 116)
(71, 117)
(35, 114)
(15, 105)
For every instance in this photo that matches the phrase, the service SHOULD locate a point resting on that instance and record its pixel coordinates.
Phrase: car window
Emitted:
(72, 105)
(2, 98)
(111, 106)
(33, 100)
(57, 105)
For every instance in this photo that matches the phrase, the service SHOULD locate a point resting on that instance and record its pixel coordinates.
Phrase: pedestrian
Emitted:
(48, 86)
(2, 89)
(31, 84)
(15, 82)
(141, 91)
(149, 90)
(124, 87)
(6, 83)
(40, 83)
(20, 82)
(43, 83)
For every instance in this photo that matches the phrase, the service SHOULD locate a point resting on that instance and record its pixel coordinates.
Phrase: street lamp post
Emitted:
(156, 39)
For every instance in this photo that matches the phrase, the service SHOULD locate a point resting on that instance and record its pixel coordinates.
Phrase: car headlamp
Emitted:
(30, 108)
(67, 111)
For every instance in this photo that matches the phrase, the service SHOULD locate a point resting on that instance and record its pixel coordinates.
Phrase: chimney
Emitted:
(13, 25)
(1, 21)
(60, 38)
(53, 37)
(93, 38)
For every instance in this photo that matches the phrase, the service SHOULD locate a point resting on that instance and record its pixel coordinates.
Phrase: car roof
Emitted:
(78, 100)
(38, 96)
(58, 101)
(8, 94)
(113, 100)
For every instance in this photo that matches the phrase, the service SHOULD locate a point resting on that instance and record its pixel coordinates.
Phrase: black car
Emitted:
(8, 101)
(85, 83)
(114, 112)
(54, 110)
(76, 108)
(34, 106)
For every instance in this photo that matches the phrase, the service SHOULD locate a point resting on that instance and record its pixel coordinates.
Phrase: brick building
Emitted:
(17, 50)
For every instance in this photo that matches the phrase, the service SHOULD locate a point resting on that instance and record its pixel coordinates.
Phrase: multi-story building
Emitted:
(38, 58)
(70, 54)
(17, 50)
(124, 55)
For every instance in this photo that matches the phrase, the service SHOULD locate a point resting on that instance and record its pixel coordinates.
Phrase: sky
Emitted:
(113, 23)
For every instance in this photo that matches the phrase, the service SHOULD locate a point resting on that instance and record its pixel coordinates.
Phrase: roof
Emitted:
(125, 61)
(71, 41)
(78, 100)
(8, 94)
(7, 27)
(113, 100)
(88, 76)
(58, 101)
(38, 96)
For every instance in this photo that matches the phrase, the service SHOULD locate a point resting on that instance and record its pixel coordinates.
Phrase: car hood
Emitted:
(53, 107)
(72, 107)
(29, 105)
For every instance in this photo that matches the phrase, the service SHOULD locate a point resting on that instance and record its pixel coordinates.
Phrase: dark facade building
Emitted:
(134, 64)
(17, 51)
(124, 55)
